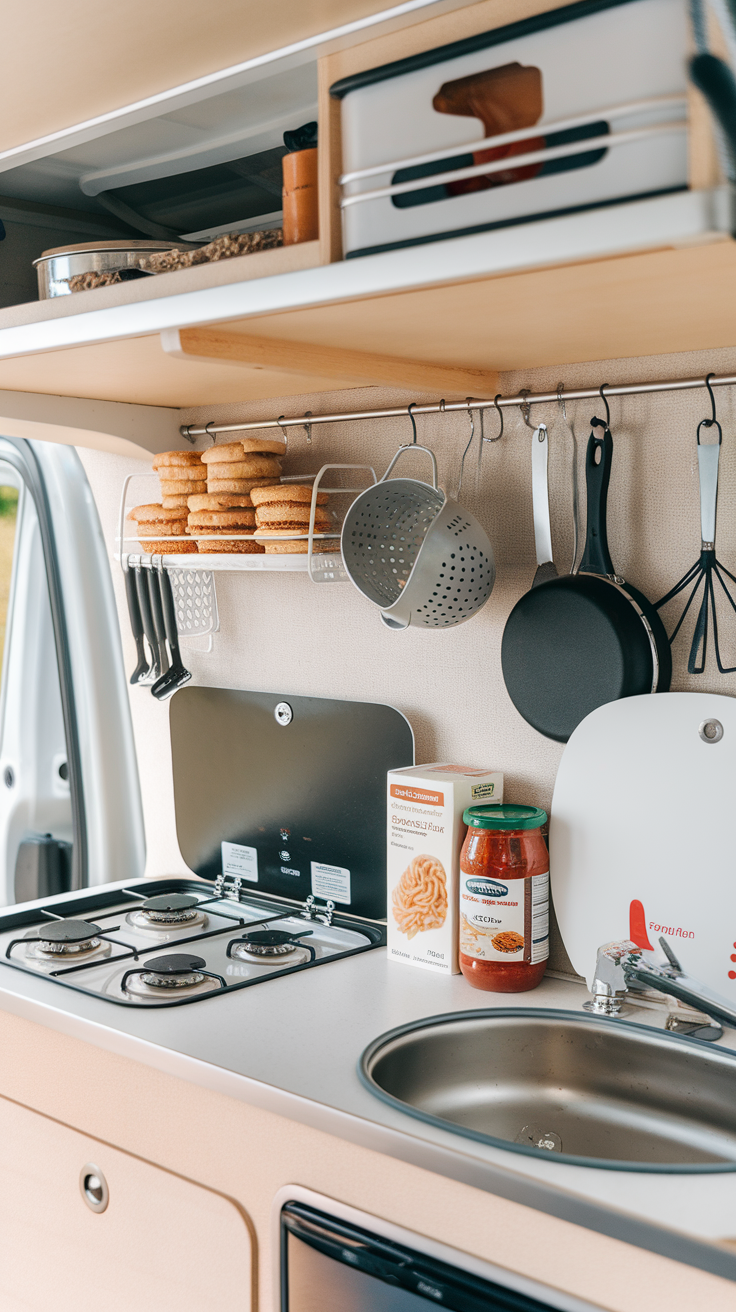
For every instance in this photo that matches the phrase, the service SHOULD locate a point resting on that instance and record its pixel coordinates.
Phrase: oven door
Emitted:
(330, 1264)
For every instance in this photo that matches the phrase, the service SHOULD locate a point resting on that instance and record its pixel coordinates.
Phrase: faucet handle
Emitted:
(609, 979)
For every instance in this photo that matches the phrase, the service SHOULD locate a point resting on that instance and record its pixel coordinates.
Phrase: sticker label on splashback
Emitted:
(240, 861)
(331, 882)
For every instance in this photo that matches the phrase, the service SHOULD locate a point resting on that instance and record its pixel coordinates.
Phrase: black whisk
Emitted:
(707, 567)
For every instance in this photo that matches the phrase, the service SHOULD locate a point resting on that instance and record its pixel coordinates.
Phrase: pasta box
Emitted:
(425, 835)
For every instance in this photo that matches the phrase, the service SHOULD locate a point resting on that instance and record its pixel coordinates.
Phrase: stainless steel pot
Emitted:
(57, 266)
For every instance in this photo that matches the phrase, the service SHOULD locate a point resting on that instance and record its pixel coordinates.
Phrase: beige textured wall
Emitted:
(279, 632)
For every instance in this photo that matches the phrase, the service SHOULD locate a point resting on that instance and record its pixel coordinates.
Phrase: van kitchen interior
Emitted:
(368, 601)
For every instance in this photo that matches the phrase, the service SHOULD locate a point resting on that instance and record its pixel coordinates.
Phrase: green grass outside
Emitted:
(8, 514)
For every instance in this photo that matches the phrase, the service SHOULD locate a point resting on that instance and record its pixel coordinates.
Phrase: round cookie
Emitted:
(229, 451)
(273, 444)
(247, 467)
(153, 512)
(218, 501)
(238, 486)
(222, 454)
(288, 492)
(184, 473)
(164, 548)
(175, 487)
(298, 546)
(175, 503)
(225, 519)
(168, 459)
(296, 513)
(243, 546)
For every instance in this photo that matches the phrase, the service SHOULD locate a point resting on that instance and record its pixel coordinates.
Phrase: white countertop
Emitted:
(293, 1048)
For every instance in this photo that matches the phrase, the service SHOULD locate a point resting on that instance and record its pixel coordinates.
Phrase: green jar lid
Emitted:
(504, 815)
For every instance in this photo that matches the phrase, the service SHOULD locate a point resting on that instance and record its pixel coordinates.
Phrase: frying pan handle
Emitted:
(413, 446)
(596, 557)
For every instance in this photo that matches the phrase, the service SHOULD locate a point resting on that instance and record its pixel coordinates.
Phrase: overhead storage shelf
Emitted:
(642, 278)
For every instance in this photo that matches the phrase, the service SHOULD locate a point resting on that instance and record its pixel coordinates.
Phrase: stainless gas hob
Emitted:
(162, 943)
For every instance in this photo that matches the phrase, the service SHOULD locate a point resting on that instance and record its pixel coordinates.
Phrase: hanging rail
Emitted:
(190, 431)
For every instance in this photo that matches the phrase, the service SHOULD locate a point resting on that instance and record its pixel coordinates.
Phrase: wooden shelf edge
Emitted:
(345, 366)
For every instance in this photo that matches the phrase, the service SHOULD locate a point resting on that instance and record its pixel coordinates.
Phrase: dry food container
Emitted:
(57, 266)
(592, 98)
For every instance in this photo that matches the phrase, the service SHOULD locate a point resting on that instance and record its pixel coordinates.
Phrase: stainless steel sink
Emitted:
(575, 1088)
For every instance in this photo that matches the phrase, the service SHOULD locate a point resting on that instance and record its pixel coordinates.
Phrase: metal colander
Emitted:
(417, 555)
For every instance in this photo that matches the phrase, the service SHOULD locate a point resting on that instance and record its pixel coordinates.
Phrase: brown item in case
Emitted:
(225, 247)
(286, 492)
(301, 213)
(180, 502)
(505, 99)
(178, 487)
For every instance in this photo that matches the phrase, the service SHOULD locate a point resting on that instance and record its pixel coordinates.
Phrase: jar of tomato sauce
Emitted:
(504, 898)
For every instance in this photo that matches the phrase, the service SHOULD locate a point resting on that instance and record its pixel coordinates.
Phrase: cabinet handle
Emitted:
(93, 1187)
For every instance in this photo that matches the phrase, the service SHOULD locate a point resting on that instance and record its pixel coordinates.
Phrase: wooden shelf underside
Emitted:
(635, 305)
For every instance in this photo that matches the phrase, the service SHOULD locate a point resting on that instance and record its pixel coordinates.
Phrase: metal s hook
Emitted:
(574, 474)
(279, 421)
(599, 423)
(409, 408)
(308, 427)
(712, 422)
(525, 406)
(468, 444)
(211, 436)
(499, 412)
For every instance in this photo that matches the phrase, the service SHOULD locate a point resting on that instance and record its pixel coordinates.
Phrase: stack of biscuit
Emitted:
(234, 470)
(157, 525)
(283, 512)
(181, 474)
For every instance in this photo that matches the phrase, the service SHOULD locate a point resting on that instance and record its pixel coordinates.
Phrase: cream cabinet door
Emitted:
(161, 1242)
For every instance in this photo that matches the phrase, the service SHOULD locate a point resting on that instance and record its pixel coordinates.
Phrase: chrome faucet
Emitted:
(623, 965)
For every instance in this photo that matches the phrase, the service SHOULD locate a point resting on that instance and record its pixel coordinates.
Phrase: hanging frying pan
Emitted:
(572, 644)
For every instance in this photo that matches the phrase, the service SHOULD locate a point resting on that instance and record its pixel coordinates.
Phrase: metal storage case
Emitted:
(611, 78)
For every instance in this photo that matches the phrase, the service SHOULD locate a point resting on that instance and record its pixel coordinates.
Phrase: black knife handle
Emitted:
(172, 629)
(596, 557)
(158, 618)
(134, 610)
(144, 601)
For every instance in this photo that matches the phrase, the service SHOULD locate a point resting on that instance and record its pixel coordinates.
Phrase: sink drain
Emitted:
(536, 1138)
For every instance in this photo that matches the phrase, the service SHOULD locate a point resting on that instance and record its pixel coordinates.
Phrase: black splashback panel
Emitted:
(303, 803)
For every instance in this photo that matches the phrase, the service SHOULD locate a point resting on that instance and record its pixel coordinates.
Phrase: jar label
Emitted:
(505, 921)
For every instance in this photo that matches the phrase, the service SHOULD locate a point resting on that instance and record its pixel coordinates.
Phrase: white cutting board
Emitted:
(644, 811)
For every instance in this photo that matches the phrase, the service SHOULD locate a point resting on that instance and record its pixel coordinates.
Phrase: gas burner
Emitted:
(161, 975)
(73, 939)
(168, 911)
(260, 943)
